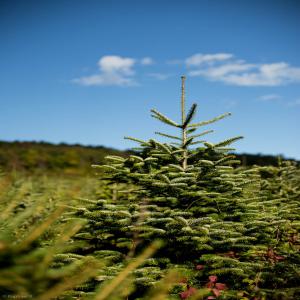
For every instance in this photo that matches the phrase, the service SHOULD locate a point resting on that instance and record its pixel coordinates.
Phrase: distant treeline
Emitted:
(259, 159)
(47, 157)
(77, 159)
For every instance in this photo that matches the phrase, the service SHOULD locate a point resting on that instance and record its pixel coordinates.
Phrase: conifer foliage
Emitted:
(189, 193)
(209, 213)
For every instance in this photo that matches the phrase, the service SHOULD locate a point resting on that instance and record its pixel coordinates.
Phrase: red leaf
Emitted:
(199, 267)
(184, 295)
(210, 285)
(221, 286)
(211, 298)
(213, 278)
(189, 292)
(216, 292)
(278, 257)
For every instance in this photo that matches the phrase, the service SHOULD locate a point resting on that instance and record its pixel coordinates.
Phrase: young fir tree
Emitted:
(188, 194)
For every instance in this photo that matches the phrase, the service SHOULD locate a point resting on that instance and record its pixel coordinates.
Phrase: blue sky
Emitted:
(89, 71)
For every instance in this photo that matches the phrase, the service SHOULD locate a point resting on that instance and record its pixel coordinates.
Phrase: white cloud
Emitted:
(105, 79)
(222, 70)
(199, 58)
(146, 61)
(226, 68)
(116, 64)
(269, 97)
(114, 70)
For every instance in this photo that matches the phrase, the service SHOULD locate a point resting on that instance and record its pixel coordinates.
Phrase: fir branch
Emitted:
(224, 149)
(224, 159)
(178, 184)
(197, 142)
(164, 147)
(149, 159)
(187, 142)
(165, 178)
(210, 121)
(201, 134)
(191, 130)
(136, 140)
(163, 118)
(115, 158)
(209, 145)
(177, 167)
(137, 158)
(177, 151)
(205, 162)
(168, 135)
(190, 115)
(229, 141)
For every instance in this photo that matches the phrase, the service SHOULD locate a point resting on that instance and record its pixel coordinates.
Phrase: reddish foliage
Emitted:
(216, 292)
(216, 287)
(188, 293)
(210, 285)
(213, 278)
(199, 267)
(272, 256)
(279, 257)
(221, 286)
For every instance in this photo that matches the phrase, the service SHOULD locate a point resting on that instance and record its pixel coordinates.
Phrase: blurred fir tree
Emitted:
(30, 264)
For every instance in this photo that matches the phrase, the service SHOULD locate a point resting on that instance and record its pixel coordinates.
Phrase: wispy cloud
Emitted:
(146, 61)
(294, 103)
(200, 59)
(114, 70)
(280, 100)
(269, 97)
(226, 68)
